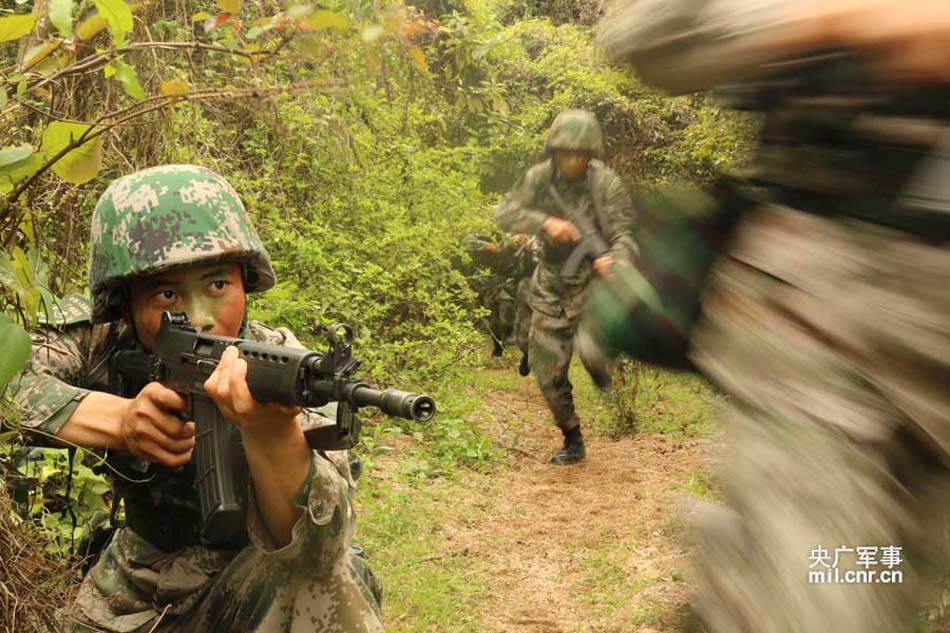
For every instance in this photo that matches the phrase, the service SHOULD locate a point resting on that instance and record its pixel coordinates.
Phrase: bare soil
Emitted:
(587, 547)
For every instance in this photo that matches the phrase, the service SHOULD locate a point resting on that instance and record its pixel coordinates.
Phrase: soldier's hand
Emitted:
(602, 265)
(906, 41)
(151, 429)
(227, 387)
(561, 231)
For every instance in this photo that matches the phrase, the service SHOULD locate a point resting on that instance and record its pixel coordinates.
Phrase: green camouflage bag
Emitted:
(647, 308)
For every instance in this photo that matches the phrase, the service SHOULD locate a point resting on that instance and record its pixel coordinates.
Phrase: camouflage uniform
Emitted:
(155, 575)
(556, 301)
(527, 260)
(501, 276)
(491, 278)
(827, 320)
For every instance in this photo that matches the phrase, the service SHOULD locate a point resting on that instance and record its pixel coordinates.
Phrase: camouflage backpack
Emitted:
(575, 130)
(647, 309)
(164, 217)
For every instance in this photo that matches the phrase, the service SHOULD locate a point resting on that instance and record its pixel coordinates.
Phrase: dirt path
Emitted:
(589, 547)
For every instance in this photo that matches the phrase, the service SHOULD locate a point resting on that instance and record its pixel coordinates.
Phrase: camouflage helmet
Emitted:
(164, 217)
(575, 130)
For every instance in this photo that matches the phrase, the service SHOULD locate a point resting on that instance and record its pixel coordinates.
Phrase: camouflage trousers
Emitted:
(833, 337)
(502, 314)
(554, 334)
(522, 329)
(231, 596)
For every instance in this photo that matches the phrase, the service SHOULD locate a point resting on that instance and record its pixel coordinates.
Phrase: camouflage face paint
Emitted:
(571, 164)
(211, 295)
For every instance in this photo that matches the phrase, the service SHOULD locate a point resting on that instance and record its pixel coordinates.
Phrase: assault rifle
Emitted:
(184, 358)
(591, 246)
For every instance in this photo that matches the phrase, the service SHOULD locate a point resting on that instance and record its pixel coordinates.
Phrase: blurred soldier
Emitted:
(178, 238)
(527, 260)
(568, 190)
(494, 266)
(501, 277)
(827, 316)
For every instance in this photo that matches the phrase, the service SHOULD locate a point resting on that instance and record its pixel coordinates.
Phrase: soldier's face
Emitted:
(211, 295)
(571, 164)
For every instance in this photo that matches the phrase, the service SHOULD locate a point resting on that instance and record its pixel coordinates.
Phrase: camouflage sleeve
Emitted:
(325, 494)
(48, 390)
(689, 45)
(325, 528)
(517, 212)
(619, 216)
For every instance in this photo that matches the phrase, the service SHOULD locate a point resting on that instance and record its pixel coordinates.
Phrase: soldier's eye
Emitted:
(218, 287)
(167, 295)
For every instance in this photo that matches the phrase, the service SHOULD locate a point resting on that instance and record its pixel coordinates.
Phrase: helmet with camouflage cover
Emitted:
(575, 130)
(164, 217)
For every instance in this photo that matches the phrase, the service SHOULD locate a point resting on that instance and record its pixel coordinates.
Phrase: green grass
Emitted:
(648, 400)
(608, 585)
(702, 485)
(429, 585)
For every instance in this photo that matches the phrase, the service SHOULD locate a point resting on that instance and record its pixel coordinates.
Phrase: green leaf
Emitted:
(129, 80)
(201, 16)
(61, 16)
(13, 173)
(80, 164)
(11, 155)
(229, 6)
(25, 285)
(324, 20)
(39, 277)
(118, 16)
(88, 29)
(3, 98)
(39, 59)
(16, 26)
(16, 349)
(175, 88)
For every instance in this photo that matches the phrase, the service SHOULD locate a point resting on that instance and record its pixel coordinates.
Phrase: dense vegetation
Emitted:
(367, 140)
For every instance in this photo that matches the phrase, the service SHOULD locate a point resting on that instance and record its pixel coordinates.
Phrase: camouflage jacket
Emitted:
(610, 210)
(134, 580)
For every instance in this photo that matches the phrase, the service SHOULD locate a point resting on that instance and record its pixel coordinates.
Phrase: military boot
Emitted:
(524, 368)
(573, 450)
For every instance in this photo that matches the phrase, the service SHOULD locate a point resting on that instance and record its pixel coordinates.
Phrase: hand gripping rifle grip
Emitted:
(216, 442)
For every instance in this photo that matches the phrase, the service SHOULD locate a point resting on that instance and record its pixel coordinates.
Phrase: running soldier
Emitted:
(556, 198)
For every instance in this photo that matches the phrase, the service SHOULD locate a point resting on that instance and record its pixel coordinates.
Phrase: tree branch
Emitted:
(153, 104)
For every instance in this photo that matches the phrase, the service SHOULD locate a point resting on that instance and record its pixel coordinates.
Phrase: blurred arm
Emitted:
(517, 212)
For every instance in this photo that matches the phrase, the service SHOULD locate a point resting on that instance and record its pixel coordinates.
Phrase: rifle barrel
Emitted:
(403, 404)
